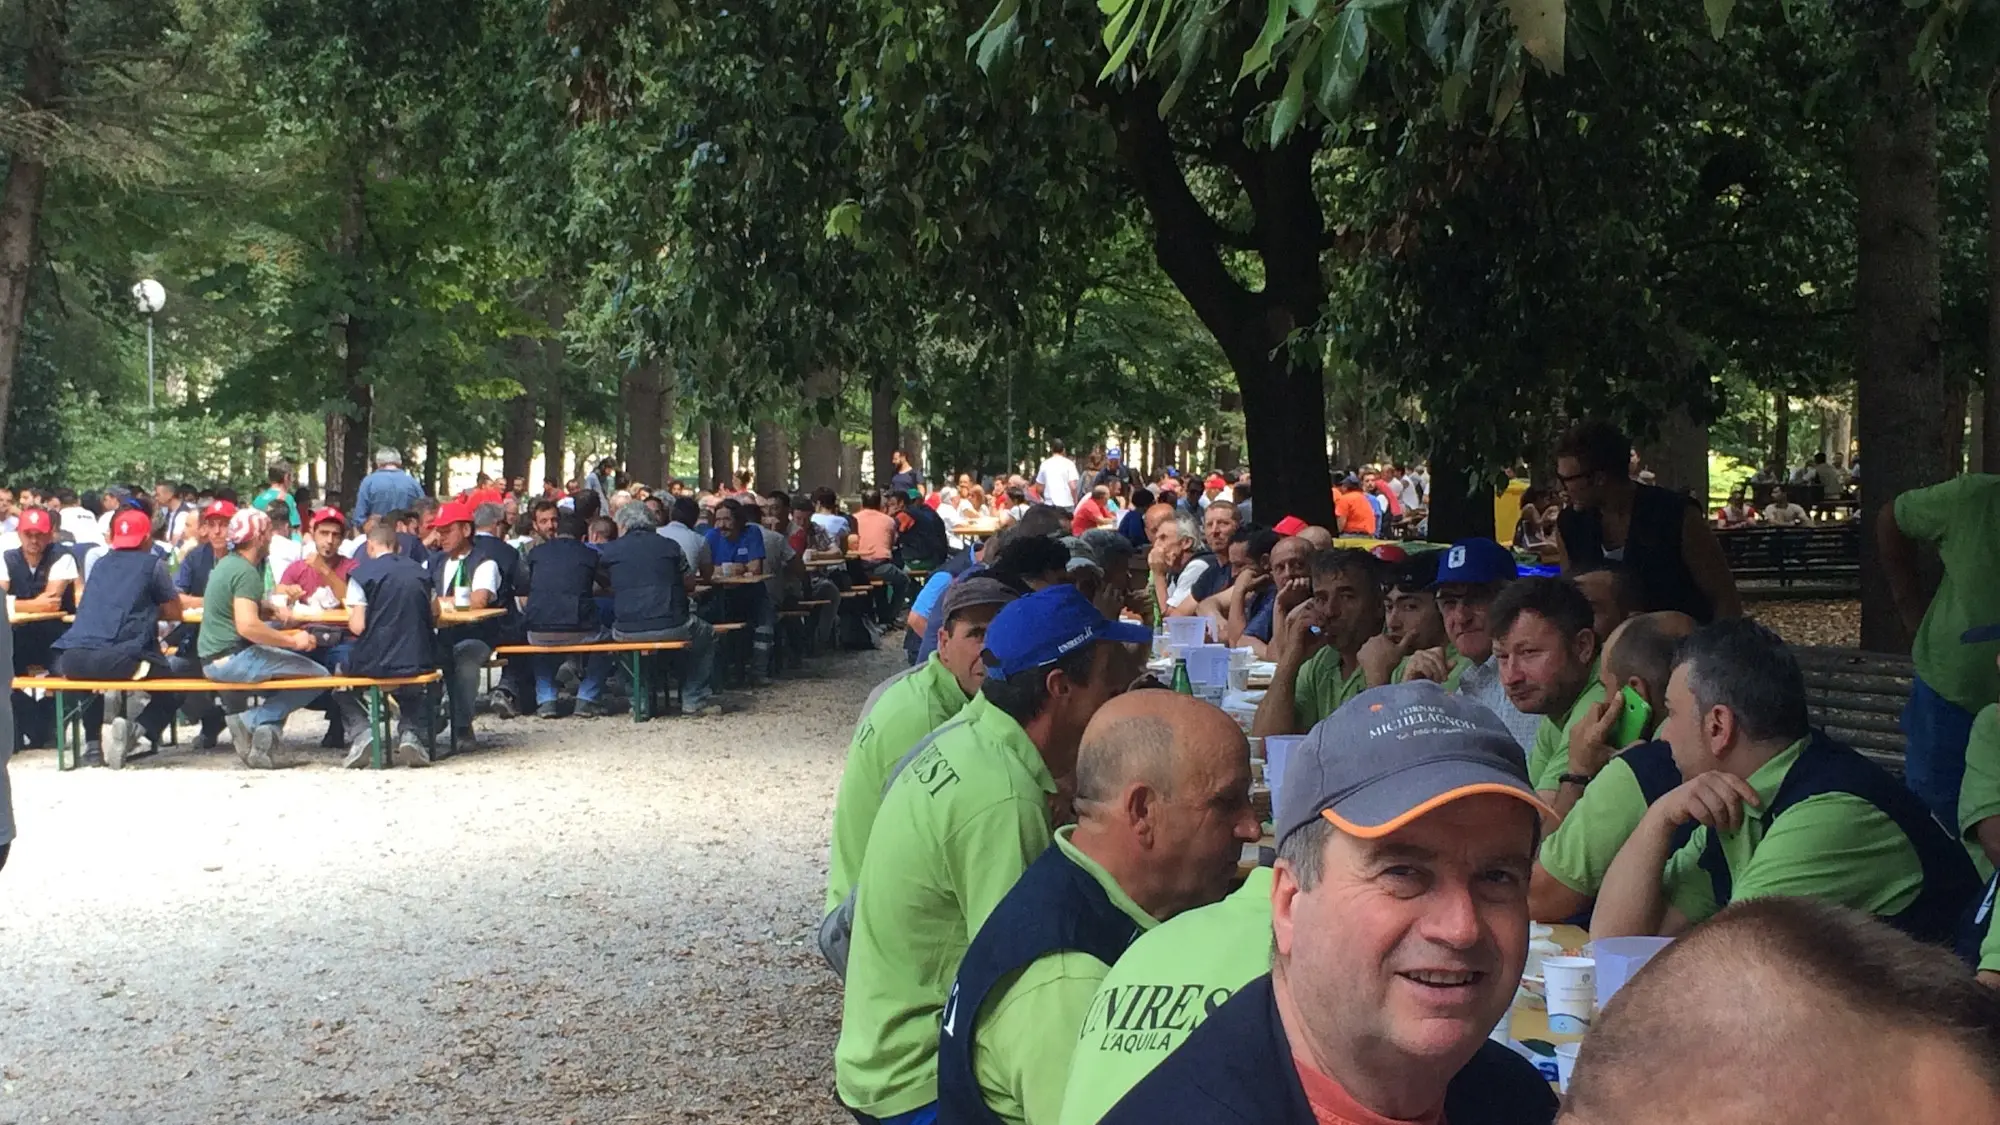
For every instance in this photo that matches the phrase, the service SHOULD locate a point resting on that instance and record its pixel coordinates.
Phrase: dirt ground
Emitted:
(587, 921)
(1836, 623)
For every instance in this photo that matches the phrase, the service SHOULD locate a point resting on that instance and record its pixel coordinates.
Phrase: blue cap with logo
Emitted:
(1048, 625)
(1475, 562)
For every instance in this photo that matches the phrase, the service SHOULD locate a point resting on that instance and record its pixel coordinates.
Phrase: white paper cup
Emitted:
(1538, 952)
(280, 601)
(1184, 633)
(1277, 752)
(1619, 958)
(1570, 985)
(1565, 1063)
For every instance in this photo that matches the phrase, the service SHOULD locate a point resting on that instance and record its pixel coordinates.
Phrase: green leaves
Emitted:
(1346, 54)
(1259, 55)
(1719, 12)
(1540, 26)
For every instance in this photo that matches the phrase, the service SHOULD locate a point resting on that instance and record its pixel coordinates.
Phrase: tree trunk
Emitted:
(704, 455)
(772, 457)
(337, 479)
(1955, 396)
(670, 397)
(1227, 454)
(883, 428)
(1459, 508)
(1679, 457)
(1901, 377)
(1975, 442)
(46, 23)
(435, 476)
(640, 390)
(1989, 419)
(913, 444)
(1781, 434)
(722, 469)
(517, 447)
(819, 442)
(555, 424)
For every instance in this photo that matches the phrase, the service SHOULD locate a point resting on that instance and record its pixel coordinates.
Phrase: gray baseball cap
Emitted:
(976, 590)
(1394, 753)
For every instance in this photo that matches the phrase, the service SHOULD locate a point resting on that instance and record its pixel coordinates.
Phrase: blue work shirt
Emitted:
(384, 491)
(747, 547)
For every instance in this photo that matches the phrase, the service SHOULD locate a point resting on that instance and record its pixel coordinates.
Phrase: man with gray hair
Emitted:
(1163, 810)
(651, 578)
(1179, 565)
(387, 489)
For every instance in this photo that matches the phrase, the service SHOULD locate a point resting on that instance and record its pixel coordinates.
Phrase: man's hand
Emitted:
(1293, 594)
(1590, 740)
(1156, 561)
(302, 641)
(1251, 581)
(1304, 633)
(1714, 798)
(1378, 658)
(1426, 664)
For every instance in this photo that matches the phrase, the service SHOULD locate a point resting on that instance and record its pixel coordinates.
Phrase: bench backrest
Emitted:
(1858, 697)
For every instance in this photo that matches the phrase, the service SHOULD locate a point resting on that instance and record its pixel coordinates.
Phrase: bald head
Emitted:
(1784, 1010)
(1163, 798)
(1319, 537)
(1155, 516)
(1640, 653)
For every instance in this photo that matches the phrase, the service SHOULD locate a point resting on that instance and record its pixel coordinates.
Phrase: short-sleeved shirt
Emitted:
(833, 524)
(1979, 794)
(1548, 759)
(1026, 1029)
(1962, 516)
(1354, 514)
(231, 579)
(694, 545)
(1322, 687)
(1059, 479)
(1090, 515)
(264, 498)
(958, 827)
(1834, 846)
(1164, 986)
(196, 566)
(63, 569)
(748, 546)
(876, 531)
(1182, 585)
(307, 577)
(911, 708)
(451, 574)
(927, 599)
(1581, 849)
(1262, 615)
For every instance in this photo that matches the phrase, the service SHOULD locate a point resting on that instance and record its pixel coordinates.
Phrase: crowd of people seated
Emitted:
(1033, 898)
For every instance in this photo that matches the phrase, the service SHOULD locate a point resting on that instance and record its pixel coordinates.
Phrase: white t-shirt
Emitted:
(285, 551)
(1787, 514)
(81, 525)
(1406, 493)
(1058, 478)
(62, 570)
(1182, 587)
(485, 576)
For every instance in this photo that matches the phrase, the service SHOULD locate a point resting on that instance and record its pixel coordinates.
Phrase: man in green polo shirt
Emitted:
(1163, 811)
(959, 825)
(1548, 664)
(1411, 623)
(1979, 796)
(914, 706)
(1319, 644)
(1161, 990)
(1781, 810)
(1639, 655)
(1954, 678)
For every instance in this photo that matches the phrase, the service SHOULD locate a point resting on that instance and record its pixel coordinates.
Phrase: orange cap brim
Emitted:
(1376, 831)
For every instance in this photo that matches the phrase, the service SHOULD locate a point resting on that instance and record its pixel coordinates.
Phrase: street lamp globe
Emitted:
(151, 295)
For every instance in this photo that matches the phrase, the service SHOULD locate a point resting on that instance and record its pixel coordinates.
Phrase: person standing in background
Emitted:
(1059, 478)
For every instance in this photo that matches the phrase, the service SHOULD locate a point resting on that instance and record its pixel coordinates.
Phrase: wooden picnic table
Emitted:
(976, 530)
(737, 580)
(827, 563)
(338, 616)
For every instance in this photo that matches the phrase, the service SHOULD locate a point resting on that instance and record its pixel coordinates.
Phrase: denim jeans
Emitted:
(103, 664)
(596, 667)
(462, 661)
(262, 662)
(1936, 731)
(695, 663)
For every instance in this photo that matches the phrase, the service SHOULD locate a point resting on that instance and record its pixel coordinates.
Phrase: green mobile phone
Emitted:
(1632, 723)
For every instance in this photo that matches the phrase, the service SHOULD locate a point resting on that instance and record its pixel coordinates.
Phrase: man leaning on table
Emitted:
(959, 825)
(1163, 811)
(394, 621)
(912, 707)
(1782, 809)
(1399, 912)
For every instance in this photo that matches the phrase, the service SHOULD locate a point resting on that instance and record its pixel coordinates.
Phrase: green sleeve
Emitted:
(1989, 951)
(1979, 795)
(1583, 846)
(988, 853)
(1926, 513)
(855, 804)
(1689, 889)
(1315, 692)
(1549, 759)
(1838, 847)
(1027, 1036)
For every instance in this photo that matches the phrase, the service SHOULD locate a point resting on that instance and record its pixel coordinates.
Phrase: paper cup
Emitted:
(1565, 1063)
(1570, 985)
(1184, 633)
(280, 601)
(1278, 751)
(1538, 952)
(1618, 959)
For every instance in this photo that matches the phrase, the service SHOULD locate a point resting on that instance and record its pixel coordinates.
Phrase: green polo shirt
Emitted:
(1548, 760)
(956, 830)
(1835, 846)
(1164, 986)
(912, 707)
(1458, 664)
(1321, 688)
(1961, 516)
(1989, 950)
(1579, 852)
(233, 577)
(1979, 794)
(1027, 1027)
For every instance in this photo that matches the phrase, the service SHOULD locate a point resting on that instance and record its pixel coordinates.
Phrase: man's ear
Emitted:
(1585, 645)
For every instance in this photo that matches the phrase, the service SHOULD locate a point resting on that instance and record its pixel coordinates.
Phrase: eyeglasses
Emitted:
(1566, 481)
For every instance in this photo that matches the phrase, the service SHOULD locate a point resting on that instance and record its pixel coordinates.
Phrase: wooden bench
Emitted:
(59, 687)
(1857, 698)
(1825, 559)
(634, 651)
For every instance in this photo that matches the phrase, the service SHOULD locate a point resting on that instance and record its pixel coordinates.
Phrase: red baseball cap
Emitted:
(218, 510)
(1215, 481)
(1290, 525)
(1389, 552)
(130, 528)
(452, 511)
(36, 519)
(325, 515)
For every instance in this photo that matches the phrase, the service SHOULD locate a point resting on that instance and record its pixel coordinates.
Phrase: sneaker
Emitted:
(410, 752)
(549, 710)
(590, 709)
(239, 736)
(501, 705)
(464, 743)
(124, 739)
(263, 741)
(360, 753)
(708, 710)
(92, 756)
(211, 734)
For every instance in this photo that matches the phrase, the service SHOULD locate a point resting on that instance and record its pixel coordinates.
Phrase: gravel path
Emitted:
(587, 921)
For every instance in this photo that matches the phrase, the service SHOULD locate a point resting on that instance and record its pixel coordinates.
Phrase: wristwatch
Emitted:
(1577, 779)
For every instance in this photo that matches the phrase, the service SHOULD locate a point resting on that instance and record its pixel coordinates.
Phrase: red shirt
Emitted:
(1088, 515)
(1354, 514)
(1333, 1105)
(307, 577)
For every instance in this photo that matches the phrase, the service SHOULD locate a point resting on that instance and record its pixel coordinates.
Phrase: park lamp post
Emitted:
(152, 297)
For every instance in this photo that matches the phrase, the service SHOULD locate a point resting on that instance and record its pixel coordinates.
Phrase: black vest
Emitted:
(1826, 766)
(24, 581)
(647, 591)
(118, 613)
(397, 638)
(1652, 765)
(925, 541)
(1055, 906)
(508, 561)
(561, 577)
(1652, 550)
(413, 548)
(1237, 1069)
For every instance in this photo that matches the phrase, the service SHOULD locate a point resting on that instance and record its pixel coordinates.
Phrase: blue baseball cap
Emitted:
(1113, 452)
(1475, 562)
(1048, 625)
